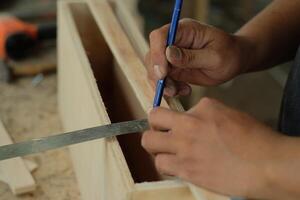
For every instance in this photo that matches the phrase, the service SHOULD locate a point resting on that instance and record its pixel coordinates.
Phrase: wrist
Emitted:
(258, 182)
(268, 172)
(248, 52)
(282, 171)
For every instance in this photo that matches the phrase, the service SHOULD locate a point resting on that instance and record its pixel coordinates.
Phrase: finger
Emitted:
(158, 142)
(185, 38)
(174, 88)
(170, 88)
(167, 164)
(193, 76)
(183, 89)
(192, 58)
(158, 40)
(162, 119)
(190, 34)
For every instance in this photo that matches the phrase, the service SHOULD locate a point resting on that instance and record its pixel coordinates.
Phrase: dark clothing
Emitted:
(290, 112)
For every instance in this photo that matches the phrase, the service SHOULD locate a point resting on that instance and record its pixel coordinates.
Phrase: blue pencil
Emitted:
(170, 41)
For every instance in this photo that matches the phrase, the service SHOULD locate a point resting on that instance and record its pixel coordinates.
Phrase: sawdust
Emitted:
(29, 112)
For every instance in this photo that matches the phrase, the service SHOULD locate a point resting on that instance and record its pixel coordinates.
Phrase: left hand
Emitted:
(213, 146)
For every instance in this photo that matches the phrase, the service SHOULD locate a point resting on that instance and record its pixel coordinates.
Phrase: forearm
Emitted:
(273, 35)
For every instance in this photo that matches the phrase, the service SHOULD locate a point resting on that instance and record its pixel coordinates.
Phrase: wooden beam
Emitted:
(15, 172)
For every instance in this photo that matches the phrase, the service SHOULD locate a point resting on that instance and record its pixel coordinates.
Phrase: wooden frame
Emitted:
(102, 79)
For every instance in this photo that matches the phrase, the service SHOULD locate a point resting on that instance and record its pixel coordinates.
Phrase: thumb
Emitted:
(191, 58)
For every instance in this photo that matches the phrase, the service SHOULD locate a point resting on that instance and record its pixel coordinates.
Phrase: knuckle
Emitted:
(218, 59)
(205, 102)
(153, 114)
(152, 35)
(192, 123)
(185, 119)
(188, 21)
(189, 168)
(184, 20)
(185, 147)
(155, 35)
(145, 139)
(182, 118)
(185, 173)
(160, 163)
(187, 58)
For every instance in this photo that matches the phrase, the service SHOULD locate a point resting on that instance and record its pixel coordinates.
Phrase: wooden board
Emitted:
(102, 79)
(15, 172)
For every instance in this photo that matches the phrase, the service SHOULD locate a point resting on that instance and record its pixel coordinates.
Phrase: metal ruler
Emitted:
(75, 137)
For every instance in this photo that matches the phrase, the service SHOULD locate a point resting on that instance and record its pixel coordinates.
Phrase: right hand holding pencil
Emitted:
(202, 55)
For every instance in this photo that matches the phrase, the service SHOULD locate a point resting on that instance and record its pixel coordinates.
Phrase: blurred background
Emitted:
(28, 79)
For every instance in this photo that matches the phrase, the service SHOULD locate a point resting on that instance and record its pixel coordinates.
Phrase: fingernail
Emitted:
(158, 72)
(174, 53)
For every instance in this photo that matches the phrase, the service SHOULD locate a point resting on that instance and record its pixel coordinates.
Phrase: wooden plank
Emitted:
(125, 55)
(14, 172)
(100, 166)
(162, 191)
(30, 165)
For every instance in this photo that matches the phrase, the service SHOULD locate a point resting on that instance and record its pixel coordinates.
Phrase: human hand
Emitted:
(213, 146)
(202, 55)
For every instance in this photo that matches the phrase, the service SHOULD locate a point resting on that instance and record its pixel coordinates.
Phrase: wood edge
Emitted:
(30, 165)
(114, 145)
(160, 184)
(28, 183)
(137, 83)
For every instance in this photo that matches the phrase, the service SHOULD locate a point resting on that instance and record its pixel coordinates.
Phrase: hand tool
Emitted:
(170, 41)
(18, 39)
(75, 137)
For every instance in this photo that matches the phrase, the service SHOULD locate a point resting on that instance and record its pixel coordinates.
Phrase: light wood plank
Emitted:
(14, 171)
(162, 190)
(100, 166)
(30, 165)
